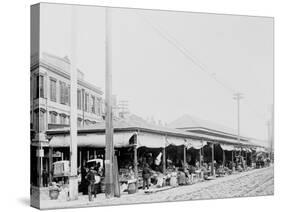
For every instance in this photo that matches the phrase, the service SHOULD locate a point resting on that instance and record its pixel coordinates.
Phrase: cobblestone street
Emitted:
(252, 183)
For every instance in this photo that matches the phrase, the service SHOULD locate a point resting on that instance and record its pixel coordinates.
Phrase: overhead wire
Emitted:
(174, 42)
(180, 47)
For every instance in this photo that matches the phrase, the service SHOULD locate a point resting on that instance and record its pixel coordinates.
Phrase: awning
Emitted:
(175, 141)
(151, 140)
(92, 140)
(227, 147)
(196, 144)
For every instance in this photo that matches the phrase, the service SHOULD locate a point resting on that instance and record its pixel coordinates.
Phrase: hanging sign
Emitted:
(40, 153)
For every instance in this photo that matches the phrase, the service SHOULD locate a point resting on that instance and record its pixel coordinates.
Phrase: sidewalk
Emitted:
(163, 194)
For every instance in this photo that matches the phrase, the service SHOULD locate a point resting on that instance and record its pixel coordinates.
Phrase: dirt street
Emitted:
(252, 183)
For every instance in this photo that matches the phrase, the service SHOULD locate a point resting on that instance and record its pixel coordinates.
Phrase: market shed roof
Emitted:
(136, 124)
(191, 123)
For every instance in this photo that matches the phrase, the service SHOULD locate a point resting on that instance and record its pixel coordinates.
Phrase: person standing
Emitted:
(146, 173)
(181, 177)
(174, 178)
(90, 177)
(84, 182)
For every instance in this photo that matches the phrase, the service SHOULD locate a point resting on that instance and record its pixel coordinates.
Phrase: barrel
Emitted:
(132, 188)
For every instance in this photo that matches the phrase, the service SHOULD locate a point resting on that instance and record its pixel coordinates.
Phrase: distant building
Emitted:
(50, 96)
(193, 124)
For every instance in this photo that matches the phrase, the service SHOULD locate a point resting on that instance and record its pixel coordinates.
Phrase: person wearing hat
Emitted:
(90, 177)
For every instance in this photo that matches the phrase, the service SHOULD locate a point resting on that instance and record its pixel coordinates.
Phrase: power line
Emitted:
(180, 47)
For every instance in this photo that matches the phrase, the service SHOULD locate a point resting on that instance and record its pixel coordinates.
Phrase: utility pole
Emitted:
(268, 132)
(238, 97)
(73, 178)
(271, 131)
(269, 136)
(109, 148)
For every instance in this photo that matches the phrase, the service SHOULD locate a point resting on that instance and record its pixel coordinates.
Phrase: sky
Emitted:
(167, 63)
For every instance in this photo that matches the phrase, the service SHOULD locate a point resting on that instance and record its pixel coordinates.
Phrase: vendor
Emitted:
(181, 177)
(146, 174)
(174, 178)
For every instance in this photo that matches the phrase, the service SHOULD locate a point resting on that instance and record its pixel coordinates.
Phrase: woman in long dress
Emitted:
(174, 178)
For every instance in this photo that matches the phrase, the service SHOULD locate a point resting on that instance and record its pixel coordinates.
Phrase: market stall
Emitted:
(165, 151)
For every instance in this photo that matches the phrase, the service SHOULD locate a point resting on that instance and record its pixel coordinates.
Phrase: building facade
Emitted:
(50, 96)
(50, 108)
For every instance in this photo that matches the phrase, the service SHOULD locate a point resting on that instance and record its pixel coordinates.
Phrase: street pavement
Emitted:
(258, 182)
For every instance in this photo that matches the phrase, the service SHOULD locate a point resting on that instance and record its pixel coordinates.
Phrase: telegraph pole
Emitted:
(271, 132)
(109, 148)
(73, 178)
(269, 135)
(238, 97)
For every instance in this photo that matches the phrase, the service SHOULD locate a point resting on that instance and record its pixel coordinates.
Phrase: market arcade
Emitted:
(164, 149)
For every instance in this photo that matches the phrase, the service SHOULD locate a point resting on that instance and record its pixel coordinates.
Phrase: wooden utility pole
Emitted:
(73, 178)
(272, 134)
(270, 128)
(109, 148)
(268, 132)
(238, 97)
